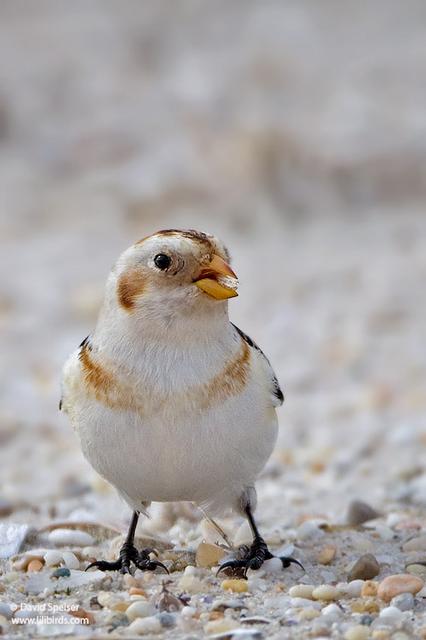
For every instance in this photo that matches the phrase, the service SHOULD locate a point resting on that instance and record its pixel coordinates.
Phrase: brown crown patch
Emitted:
(130, 286)
(191, 234)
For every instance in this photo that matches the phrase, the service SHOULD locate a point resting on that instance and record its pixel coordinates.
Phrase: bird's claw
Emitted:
(144, 562)
(253, 558)
(288, 560)
(129, 554)
(103, 565)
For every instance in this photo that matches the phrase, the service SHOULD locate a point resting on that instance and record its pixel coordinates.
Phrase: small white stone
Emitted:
(52, 557)
(392, 614)
(243, 535)
(384, 532)
(273, 565)
(301, 591)
(393, 519)
(12, 537)
(352, 588)
(309, 530)
(62, 537)
(326, 592)
(190, 570)
(143, 626)
(191, 584)
(71, 560)
(188, 612)
(140, 609)
(332, 610)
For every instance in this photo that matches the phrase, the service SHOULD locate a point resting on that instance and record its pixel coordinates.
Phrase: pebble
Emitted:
(326, 592)
(188, 612)
(5, 610)
(82, 613)
(116, 619)
(62, 537)
(273, 565)
(398, 583)
(358, 632)
(167, 620)
(144, 626)
(35, 565)
(168, 602)
(220, 626)
(366, 605)
(417, 569)
(237, 586)
(415, 544)
(209, 555)
(113, 601)
(191, 584)
(309, 530)
(233, 603)
(404, 602)
(369, 588)
(360, 512)
(384, 532)
(140, 609)
(52, 558)
(243, 535)
(301, 591)
(353, 588)
(12, 537)
(309, 613)
(327, 554)
(70, 559)
(392, 614)
(332, 610)
(365, 568)
(61, 572)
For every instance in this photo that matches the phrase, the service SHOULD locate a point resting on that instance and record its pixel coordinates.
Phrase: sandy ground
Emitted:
(307, 157)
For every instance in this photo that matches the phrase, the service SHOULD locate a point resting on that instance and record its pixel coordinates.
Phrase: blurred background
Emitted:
(294, 130)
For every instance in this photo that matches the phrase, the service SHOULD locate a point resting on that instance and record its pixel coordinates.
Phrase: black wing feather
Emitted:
(276, 390)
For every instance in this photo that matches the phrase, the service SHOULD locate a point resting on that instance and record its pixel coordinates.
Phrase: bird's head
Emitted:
(174, 268)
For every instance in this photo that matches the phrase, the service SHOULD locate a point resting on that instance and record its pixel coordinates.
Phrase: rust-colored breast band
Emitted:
(230, 381)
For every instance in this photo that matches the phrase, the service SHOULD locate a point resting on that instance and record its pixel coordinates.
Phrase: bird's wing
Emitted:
(276, 393)
(85, 342)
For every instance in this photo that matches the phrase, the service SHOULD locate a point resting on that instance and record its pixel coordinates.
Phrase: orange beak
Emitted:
(217, 279)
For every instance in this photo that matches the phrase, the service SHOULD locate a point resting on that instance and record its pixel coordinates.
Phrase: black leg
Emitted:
(254, 556)
(129, 554)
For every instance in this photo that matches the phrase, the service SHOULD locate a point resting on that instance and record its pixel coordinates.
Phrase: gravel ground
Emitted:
(308, 158)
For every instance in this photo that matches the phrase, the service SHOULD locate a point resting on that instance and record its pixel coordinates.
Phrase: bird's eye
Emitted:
(162, 261)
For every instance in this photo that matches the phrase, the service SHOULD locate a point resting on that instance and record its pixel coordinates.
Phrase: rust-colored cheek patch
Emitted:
(230, 381)
(131, 285)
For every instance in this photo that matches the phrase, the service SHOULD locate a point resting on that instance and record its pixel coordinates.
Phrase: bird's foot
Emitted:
(130, 555)
(253, 558)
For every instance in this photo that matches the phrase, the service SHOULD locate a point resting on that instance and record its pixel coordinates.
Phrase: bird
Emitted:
(170, 400)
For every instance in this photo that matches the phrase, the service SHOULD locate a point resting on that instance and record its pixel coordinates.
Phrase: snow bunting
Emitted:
(170, 400)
